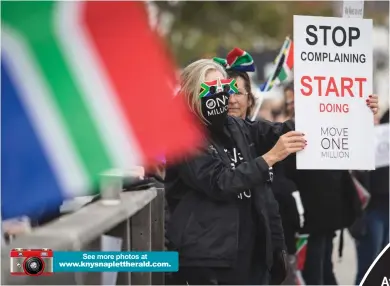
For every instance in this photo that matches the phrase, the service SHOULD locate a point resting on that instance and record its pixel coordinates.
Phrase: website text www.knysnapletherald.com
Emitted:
(116, 264)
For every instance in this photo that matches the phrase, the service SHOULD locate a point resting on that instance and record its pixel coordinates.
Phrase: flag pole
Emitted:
(259, 102)
(261, 98)
(277, 62)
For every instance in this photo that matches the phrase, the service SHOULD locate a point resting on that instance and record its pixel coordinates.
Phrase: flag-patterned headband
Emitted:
(237, 60)
(220, 85)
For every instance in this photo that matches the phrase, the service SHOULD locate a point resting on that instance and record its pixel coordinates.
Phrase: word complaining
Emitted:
(326, 86)
(334, 143)
(116, 261)
(333, 57)
(339, 37)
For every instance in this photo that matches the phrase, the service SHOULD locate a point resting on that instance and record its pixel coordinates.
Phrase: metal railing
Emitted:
(138, 220)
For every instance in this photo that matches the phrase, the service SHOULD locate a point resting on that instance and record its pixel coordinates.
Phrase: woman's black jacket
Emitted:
(201, 193)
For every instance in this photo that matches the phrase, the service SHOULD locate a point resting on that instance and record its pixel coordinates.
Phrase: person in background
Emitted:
(241, 105)
(289, 101)
(265, 111)
(224, 219)
(278, 111)
(330, 203)
(375, 220)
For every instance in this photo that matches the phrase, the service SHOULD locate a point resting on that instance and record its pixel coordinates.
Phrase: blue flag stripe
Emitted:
(29, 185)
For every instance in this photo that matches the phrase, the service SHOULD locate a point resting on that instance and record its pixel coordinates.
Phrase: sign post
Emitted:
(333, 75)
(353, 9)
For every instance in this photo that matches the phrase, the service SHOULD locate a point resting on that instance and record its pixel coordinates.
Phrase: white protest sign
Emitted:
(353, 9)
(382, 145)
(333, 76)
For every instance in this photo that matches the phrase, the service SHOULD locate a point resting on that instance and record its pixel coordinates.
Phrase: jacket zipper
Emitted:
(237, 229)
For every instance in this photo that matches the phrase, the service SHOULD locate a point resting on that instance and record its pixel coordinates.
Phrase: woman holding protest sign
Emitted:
(224, 219)
(241, 105)
(328, 195)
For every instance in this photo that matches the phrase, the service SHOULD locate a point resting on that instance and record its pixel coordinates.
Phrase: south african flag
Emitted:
(86, 87)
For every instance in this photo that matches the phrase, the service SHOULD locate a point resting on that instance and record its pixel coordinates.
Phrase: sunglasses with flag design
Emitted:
(210, 88)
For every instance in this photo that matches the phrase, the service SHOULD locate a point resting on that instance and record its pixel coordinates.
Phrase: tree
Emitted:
(198, 29)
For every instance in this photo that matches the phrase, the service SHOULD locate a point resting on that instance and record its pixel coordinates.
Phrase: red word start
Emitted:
(329, 86)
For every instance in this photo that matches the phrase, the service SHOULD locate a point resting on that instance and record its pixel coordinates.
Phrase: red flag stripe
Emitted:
(290, 57)
(142, 76)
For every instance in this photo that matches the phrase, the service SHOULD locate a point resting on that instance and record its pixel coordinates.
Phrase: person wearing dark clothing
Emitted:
(375, 220)
(224, 220)
(318, 263)
(330, 203)
(283, 189)
(230, 238)
(242, 106)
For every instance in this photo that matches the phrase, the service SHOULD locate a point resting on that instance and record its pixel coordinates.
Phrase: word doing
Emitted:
(334, 107)
(352, 33)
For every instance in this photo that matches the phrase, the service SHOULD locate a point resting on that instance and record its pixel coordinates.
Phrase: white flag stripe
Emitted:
(99, 95)
(35, 96)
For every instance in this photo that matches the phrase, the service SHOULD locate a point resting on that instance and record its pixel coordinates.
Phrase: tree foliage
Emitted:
(200, 28)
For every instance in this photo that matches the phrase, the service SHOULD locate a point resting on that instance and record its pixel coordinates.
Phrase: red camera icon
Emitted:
(32, 262)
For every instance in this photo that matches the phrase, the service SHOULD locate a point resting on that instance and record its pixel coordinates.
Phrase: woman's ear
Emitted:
(251, 102)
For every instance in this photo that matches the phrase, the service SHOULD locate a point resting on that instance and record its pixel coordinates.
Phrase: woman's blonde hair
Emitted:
(192, 77)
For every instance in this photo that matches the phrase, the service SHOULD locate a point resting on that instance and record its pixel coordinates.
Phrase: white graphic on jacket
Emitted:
(235, 159)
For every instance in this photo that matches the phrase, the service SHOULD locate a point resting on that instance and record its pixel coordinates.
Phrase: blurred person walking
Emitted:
(241, 105)
(330, 203)
(374, 223)
(224, 220)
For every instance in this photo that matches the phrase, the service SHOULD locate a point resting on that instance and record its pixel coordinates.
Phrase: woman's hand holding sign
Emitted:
(372, 103)
(289, 143)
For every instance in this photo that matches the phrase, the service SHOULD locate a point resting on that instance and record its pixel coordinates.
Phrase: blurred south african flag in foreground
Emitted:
(86, 87)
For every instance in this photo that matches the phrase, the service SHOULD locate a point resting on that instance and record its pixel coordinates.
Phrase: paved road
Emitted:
(345, 270)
